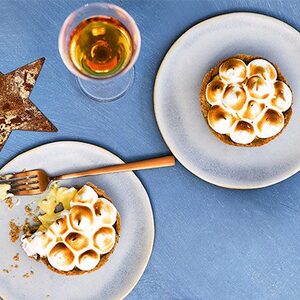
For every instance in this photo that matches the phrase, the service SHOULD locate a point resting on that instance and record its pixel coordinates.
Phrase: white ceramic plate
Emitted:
(126, 265)
(177, 106)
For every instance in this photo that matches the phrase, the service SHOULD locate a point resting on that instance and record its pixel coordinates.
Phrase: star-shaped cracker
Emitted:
(17, 112)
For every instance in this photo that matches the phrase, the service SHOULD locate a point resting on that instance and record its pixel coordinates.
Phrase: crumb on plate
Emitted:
(16, 257)
(28, 274)
(14, 231)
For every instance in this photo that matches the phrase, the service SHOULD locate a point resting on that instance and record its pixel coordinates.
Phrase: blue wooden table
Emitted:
(211, 243)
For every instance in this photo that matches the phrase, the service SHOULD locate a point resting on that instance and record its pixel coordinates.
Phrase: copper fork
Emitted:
(35, 182)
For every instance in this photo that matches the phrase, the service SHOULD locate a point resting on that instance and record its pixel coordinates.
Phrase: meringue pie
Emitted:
(246, 100)
(81, 236)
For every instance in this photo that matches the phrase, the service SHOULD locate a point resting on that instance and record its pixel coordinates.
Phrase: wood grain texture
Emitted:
(211, 243)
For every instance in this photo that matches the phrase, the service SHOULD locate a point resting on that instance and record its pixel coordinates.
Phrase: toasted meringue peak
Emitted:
(106, 211)
(262, 68)
(85, 195)
(259, 88)
(77, 241)
(214, 91)
(233, 70)
(242, 133)
(81, 218)
(104, 239)
(234, 97)
(59, 227)
(88, 260)
(270, 124)
(252, 110)
(45, 239)
(282, 96)
(220, 120)
(61, 257)
(87, 226)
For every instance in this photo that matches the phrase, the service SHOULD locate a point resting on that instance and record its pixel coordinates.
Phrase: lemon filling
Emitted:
(56, 197)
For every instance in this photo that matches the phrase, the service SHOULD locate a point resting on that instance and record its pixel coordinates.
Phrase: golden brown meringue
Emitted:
(233, 70)
(262, 68)
(242, 133)
(80, 236)
(270, 124)
(104, 239)
(247, 101)
(220, 120)
(259, 88)
(77, 241)
(84, 196)
(60, 226)
(61, 257)
(105, 210)
(45, 239)
(252, 110)
(88, 260)
(234, 97)
(282, 96)
(215, 90)
(81, 217)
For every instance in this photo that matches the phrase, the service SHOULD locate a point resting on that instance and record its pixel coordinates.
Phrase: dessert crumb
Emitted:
(28, 211)
(26, 227)
(5, 271)
(14, 231)
(28, 274)
(16, 257)
(14, 266)
(9, 202)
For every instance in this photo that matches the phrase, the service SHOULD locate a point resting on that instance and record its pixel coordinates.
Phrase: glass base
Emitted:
(107, 90)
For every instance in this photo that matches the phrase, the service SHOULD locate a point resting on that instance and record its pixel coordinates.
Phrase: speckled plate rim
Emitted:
(103, 150)
(178, 156)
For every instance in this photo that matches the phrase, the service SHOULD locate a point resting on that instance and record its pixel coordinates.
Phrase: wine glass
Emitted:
(100, 43)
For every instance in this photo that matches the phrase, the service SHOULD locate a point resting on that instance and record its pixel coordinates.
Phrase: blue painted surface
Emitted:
(211, 243)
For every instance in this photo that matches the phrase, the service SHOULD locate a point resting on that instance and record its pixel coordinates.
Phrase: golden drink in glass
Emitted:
(100, 46)
(100, 43)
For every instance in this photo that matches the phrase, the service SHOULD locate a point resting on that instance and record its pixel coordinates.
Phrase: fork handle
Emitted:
(165, 161)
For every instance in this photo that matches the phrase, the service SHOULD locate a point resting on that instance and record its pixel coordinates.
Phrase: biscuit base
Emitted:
(205, 106)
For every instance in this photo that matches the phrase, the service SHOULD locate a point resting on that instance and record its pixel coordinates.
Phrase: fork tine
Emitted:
(11, 180)
(31, 182)
(24, 187)
(26, 190)
(18, 176)
(21, 183)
